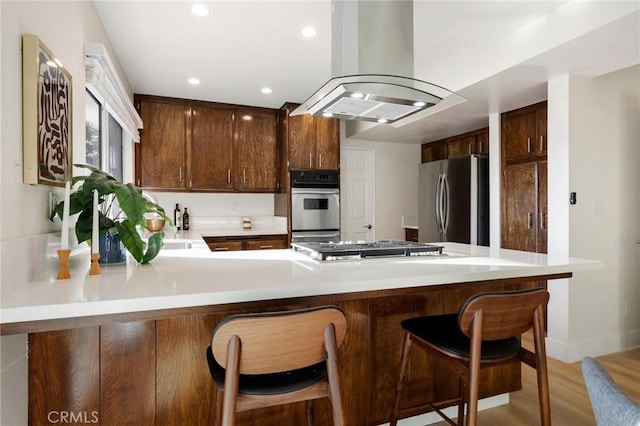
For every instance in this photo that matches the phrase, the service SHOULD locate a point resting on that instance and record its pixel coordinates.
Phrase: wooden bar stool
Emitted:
(486, 332)
(265, 359)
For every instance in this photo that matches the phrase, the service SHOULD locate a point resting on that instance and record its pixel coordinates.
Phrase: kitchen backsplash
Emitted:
(216, 205)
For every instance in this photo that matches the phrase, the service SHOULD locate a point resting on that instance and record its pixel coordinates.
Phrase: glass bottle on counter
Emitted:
(185, 220)
(177, 217)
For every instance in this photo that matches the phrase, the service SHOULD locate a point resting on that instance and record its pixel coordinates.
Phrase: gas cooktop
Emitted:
(362, 250)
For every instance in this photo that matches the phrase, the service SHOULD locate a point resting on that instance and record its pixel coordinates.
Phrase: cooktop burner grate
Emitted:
(362, 250)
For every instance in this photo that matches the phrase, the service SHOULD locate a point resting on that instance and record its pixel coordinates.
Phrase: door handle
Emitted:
(368, 226)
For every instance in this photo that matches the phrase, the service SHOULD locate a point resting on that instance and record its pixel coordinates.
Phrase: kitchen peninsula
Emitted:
(129, 344)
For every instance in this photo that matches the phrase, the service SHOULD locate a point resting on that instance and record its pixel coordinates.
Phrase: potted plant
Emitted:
(122, 212)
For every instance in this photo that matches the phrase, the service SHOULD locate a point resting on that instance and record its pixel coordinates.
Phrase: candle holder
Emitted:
(63, 272)
(95, 266)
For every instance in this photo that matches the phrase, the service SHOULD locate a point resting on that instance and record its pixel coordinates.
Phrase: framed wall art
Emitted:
(46, 115)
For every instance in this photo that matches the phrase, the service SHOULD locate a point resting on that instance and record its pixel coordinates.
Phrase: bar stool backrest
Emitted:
(280, 341)
(503, 314)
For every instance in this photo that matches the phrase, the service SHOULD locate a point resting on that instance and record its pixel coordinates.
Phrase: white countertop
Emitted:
(199, 277)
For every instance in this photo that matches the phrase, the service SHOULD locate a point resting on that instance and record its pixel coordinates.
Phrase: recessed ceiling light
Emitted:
(194, 81)
(266, 90)
(357, 95)
(309, 32)
(419, 104)
(200, 10)
(327, 114)
(382, 120)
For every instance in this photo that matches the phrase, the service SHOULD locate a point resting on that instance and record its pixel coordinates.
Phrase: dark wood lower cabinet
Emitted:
(155, 371)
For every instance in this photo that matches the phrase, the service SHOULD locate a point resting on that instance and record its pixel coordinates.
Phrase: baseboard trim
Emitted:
(570, 352)
(430, 418)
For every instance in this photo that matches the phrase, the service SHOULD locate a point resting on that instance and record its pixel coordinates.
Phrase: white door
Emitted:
(357, 174)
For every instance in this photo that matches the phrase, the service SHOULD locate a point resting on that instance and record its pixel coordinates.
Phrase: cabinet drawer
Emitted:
(411, 234)
(225, 246)
(266, 244)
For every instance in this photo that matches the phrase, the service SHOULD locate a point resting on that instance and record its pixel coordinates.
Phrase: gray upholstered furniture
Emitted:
(610, 405)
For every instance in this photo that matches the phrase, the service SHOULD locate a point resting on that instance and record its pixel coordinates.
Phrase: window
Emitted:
(115, 149)
(92, 135)
(101, 126)
(112, 122)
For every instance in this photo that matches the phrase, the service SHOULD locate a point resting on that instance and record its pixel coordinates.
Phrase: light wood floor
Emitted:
(570, 405)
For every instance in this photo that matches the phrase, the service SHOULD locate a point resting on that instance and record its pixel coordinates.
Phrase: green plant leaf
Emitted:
(132, 203)
(131, 239)
(154, 246)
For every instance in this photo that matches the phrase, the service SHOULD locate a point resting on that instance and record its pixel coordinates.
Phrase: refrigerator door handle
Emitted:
(437, 203)
(445, 203)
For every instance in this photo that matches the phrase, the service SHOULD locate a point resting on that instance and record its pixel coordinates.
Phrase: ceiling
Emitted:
(497, 54)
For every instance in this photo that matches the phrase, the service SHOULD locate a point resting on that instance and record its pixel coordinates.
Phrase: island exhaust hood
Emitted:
(372, 57)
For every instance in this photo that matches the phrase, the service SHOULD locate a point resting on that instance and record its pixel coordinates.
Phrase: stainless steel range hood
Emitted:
(372, 59)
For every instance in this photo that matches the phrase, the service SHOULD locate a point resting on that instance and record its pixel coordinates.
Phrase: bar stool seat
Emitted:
(442, 331)
(486, 332)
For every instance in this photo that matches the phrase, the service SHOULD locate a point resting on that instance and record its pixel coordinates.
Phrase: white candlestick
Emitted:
(64, 236)
(95, 227)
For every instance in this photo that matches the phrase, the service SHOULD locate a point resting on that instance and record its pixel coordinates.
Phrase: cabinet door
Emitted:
(519, 135)
(541, 128)
(542, 207)
(302, 139)
(267, 243)
(212, 153)
(434, 151)
(327, 143)
(257, 151)
(519, 207)
(163, 145)
(482, 143)
(461, 147)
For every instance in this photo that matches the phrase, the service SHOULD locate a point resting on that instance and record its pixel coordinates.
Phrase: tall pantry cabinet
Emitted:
(524, 178)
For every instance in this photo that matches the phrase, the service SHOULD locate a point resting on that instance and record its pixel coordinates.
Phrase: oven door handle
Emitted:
(334, 192)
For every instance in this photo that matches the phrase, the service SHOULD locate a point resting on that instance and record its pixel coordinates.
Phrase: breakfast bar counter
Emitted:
(197, 277)
(128, 346)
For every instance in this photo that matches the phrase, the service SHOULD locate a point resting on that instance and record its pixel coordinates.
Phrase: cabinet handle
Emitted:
(228, 175)
(528, 144)
(180, 174)
(469, 149)
(528, 220)
(541, 143)
(266, 247)
(221, 248)
(320, 161)
(541, 220)
(310, 160)
(479, 147)
(244, 176)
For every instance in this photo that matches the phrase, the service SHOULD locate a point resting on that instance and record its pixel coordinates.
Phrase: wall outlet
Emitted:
(234, 207)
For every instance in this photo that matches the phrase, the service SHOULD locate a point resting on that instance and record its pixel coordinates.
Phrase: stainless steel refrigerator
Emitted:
(454, 200)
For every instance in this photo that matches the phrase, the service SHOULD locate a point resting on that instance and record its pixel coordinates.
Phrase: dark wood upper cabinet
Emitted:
(474, 142)
(257, 150)
(524, 132)
(163, 148)
(311, 142)
(434, 151)
(206, 146)
(213, 151)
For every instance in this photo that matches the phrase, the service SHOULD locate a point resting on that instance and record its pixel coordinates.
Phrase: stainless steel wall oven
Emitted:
(315, 206)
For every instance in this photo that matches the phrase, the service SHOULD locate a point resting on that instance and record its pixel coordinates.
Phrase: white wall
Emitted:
(396, 184)
(594, 134)
(64, 27)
